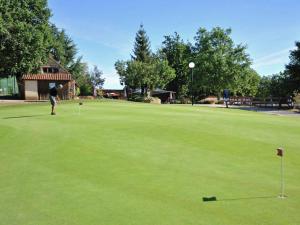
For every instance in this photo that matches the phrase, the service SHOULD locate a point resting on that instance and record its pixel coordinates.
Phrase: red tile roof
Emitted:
(47, 76)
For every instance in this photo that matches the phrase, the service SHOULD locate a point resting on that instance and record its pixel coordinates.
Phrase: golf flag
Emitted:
(280, 152)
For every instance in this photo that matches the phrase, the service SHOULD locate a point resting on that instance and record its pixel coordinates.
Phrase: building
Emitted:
(164, 95)
(36, 86)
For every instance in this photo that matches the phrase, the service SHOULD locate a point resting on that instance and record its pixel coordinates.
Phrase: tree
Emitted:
(149, 75)
(293, 70)
(96, 78)
(64, 50)
(248, 82)
(220, 63)
(178, 54)
(145, 71)
(141, 51)
(264, 87)
(276, 85)
(24, 35)
(83, 79)
(62, 47)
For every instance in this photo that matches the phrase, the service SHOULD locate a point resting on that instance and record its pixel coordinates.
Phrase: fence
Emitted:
(8, 86)
(272, 102)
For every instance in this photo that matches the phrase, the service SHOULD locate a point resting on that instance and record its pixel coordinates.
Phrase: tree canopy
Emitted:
(220, 64)
(145, 70)
(24, 35)
(147, 75)
(293, 70)
(178, 55)
(27, 39)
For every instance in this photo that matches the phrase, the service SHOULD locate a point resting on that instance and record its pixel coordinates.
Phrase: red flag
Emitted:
(280, 152)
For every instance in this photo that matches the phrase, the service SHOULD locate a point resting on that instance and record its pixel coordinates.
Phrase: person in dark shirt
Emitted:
(52, 97)
(226, 95)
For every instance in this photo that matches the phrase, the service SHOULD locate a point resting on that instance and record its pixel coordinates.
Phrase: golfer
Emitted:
(53, 101)
(226, 95)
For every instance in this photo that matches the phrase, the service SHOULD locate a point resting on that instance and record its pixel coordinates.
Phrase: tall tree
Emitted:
(276, 85)
(62, 47)
(178, 54)
(24, 35)
(149, 75)
(247, 84)
(293, 70)
(141, 51)
(97, 78)
(219, 62)
(264, 87)
(64, 50)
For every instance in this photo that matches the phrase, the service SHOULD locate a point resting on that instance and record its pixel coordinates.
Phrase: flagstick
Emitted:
(282, 176)
(282, 184)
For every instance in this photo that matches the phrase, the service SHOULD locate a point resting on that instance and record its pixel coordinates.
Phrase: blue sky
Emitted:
(104, 31)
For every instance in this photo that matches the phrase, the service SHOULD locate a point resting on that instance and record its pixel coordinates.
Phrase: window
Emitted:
(50, 70)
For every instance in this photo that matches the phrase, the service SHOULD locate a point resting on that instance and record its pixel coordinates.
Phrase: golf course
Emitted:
(119, 163)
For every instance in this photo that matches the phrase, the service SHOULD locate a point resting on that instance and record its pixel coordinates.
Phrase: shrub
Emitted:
(209, 100)
(100, 93)
(136, 98)
(152, 100)
(297, 101)
(184, 100)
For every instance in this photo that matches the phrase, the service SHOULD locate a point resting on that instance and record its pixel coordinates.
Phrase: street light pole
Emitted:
(192, 66)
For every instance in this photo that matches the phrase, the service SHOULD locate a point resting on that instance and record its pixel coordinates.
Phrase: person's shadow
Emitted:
(21, 117)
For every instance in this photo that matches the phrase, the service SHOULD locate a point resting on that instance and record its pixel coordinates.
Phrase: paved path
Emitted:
(270, 111)
(12, 101)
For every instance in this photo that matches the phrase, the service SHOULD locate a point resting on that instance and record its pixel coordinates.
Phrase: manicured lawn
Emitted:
(138, 164)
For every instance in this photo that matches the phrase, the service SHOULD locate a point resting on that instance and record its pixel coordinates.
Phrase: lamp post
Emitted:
(192, 66)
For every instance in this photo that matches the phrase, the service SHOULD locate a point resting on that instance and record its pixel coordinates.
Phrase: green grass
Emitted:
(140, 164)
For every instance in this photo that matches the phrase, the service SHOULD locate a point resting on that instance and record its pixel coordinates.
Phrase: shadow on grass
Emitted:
(21, 117)
(215, 199)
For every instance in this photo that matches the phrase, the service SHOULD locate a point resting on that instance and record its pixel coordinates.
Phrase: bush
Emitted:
(152, 100)
(136, 98)
(297, 101)
(87, 97)
(184, 100)
(100, 93)
(209, 100)
(177, 101)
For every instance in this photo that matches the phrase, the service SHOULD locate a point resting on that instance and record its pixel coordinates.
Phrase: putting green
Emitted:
(123, 163)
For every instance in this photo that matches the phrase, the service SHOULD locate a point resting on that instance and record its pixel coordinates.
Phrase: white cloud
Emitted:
(112, 81)
(281, 57)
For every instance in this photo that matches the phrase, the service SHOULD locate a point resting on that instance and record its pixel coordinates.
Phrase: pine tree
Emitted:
(141, 51)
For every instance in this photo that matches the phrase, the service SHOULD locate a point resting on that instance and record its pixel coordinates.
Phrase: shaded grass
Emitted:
(126, 163)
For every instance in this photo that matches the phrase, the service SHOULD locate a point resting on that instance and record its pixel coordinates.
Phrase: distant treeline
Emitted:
(219, 64)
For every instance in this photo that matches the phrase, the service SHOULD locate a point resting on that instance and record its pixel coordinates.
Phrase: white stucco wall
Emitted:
(31, 90)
